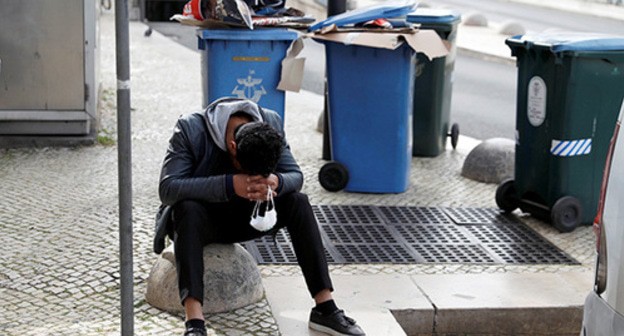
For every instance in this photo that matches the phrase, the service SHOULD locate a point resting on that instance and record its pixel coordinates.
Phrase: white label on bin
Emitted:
(571, 147)
(249, 88)
(536, 101)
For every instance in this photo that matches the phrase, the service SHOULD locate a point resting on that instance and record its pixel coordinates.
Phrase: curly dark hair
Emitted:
(258, 148)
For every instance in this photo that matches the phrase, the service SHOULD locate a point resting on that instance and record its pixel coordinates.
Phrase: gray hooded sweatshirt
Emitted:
(218, 114)
(193, 164)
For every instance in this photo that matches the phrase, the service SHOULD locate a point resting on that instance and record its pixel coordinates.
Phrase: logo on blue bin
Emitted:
(249, 88)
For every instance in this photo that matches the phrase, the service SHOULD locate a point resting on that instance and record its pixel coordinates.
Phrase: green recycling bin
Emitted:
(434, 85)
(569, 93)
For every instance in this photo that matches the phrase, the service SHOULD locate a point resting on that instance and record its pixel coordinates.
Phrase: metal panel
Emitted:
(351, 214)
(505, 234)
(429, 234)
(413, 215)
(276, 254)
(42, 53)
(269, 253)
(369, 234)
(441, 253)
(530, 254)
(375, 253)
(359, 234)
(480, 216)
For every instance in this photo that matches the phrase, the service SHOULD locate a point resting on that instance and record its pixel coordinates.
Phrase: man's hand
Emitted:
(254, 187)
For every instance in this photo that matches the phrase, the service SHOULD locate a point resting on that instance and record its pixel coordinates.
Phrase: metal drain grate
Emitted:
(432, 234)
(479, 216)
(278, 253)
(504, 234)
(359, 234)
(346, 214)
(369, 234)
(414, 215)
(375, 253)
(282, 237)
(530, 254)
(440, 253)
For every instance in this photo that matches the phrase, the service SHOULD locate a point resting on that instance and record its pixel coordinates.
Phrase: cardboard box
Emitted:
(427, 42)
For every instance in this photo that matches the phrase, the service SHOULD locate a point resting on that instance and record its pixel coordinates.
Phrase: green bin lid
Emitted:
(433, 16)
(562, 41)
(273, 34)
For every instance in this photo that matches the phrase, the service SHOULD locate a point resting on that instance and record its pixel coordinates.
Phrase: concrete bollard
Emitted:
(231, 280)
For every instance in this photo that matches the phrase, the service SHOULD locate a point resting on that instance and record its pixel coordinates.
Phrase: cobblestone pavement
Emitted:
(58, 207)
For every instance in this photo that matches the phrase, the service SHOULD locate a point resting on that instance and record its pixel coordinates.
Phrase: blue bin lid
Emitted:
(562, 41)
(389, 9)
(246, 34)
(433, 16)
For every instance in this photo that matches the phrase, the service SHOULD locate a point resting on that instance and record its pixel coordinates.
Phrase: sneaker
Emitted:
(195, 332)
(336, 323)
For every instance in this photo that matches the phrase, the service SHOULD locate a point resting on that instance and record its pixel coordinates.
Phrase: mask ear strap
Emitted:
(271, 203)
(256, 208)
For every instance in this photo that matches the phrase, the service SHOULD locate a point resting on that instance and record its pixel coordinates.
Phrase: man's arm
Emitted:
(177, 180)
(288, 171)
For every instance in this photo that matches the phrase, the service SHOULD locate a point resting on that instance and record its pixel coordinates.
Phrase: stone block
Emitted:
(231, 280)
(475, 19)
(492, 161)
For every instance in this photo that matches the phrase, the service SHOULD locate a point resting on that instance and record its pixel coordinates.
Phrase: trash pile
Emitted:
(379, 26)
(382, 26)
(386, 17)
(242, 14)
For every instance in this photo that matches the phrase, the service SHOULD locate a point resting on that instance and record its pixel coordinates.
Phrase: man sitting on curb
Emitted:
(221, 171)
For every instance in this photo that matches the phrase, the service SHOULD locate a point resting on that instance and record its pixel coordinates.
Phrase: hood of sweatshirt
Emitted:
(218, 113)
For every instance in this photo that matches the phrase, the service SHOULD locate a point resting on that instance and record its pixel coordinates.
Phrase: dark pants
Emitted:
(198, 224)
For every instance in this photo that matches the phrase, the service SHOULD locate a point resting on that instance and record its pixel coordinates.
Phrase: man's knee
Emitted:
(294, 211)
(296, 199)
(186, 212)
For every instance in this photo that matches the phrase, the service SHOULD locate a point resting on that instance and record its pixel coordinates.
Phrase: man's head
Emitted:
(255, 146)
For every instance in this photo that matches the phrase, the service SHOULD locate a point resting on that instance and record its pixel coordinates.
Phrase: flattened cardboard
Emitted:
(424, 41)
(292, 68)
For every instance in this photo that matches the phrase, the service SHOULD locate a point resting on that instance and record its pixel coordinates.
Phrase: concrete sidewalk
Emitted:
(58, 215)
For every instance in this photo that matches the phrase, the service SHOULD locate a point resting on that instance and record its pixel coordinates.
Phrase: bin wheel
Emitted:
(454, 135)
(506, 196)
(566, 214)
(333, 176)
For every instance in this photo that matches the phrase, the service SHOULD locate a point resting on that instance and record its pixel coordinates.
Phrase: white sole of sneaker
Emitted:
(324, 329)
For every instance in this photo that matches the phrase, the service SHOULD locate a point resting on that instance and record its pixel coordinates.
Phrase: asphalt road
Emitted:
(533, 18)
(484, 98)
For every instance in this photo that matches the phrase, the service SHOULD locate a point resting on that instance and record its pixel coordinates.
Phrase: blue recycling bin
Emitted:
(245, 64)
(370, 103)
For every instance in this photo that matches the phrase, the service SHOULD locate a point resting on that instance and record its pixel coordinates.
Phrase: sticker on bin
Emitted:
(536, 101)
(571, 147)
(249, 88)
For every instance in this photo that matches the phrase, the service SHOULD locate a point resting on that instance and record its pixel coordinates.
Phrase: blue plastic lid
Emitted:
(272, 34)
(560, 41)
(433, 16)
(389, 9)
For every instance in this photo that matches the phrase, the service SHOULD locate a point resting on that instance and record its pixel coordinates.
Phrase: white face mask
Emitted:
(266, 222)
